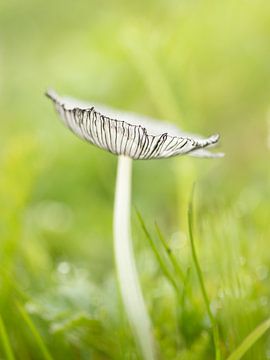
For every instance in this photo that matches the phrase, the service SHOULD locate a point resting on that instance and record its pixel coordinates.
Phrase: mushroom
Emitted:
(130, 137)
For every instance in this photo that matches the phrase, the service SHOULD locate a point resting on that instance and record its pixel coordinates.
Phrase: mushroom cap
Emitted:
(129, 134)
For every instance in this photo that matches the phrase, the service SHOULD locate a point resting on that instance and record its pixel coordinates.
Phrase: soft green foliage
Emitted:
(213, 321)
(250, 340)
(5, 341)
(201, 64)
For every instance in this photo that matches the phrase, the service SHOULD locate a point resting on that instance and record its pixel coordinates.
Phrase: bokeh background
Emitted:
(201, 64)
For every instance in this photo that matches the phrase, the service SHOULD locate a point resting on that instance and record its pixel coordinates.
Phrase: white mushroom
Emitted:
(130, 136)
(121, 133)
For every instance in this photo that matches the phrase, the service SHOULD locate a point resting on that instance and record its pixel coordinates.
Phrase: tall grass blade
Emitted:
(250, 340)
(5, 340)
(34, 331)
(201, 281)
(186, 292)
(162, 264)
(171, 256)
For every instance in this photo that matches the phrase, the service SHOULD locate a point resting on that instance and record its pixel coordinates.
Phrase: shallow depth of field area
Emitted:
(204, 66)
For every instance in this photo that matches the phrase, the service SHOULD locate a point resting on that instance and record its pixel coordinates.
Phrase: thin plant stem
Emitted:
(125, 262)
(201, 281)
(5, 340)
(184, 278)
(180, 295)
(170, 254)
(162, 264)
(42, 346)
(250, 340)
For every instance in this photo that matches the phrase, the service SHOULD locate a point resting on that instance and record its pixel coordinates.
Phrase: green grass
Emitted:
(164, 267)
(214, 325)
(250, 340)
(5, 341)
(202, 66)
(29, 323)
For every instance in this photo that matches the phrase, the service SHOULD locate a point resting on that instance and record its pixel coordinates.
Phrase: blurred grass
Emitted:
(204, 66)
(5, 341)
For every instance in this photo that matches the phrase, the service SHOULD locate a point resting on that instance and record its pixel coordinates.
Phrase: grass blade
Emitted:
(162, 264)
(5, 341)
(34, 331)
(201, 281)
(186, 292)
(250, 340)
(170, 254)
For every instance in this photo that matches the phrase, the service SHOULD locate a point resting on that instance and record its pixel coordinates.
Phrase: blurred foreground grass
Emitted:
(201, 64)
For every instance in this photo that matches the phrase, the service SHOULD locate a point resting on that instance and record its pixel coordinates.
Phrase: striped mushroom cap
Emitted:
(122, 133)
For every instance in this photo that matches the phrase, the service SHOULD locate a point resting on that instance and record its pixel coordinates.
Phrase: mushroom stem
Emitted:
(125, 262)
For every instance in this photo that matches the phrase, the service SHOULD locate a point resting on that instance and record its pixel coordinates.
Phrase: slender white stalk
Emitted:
(125, 263)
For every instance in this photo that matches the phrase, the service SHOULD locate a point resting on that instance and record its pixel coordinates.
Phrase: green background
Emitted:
(203, 65)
